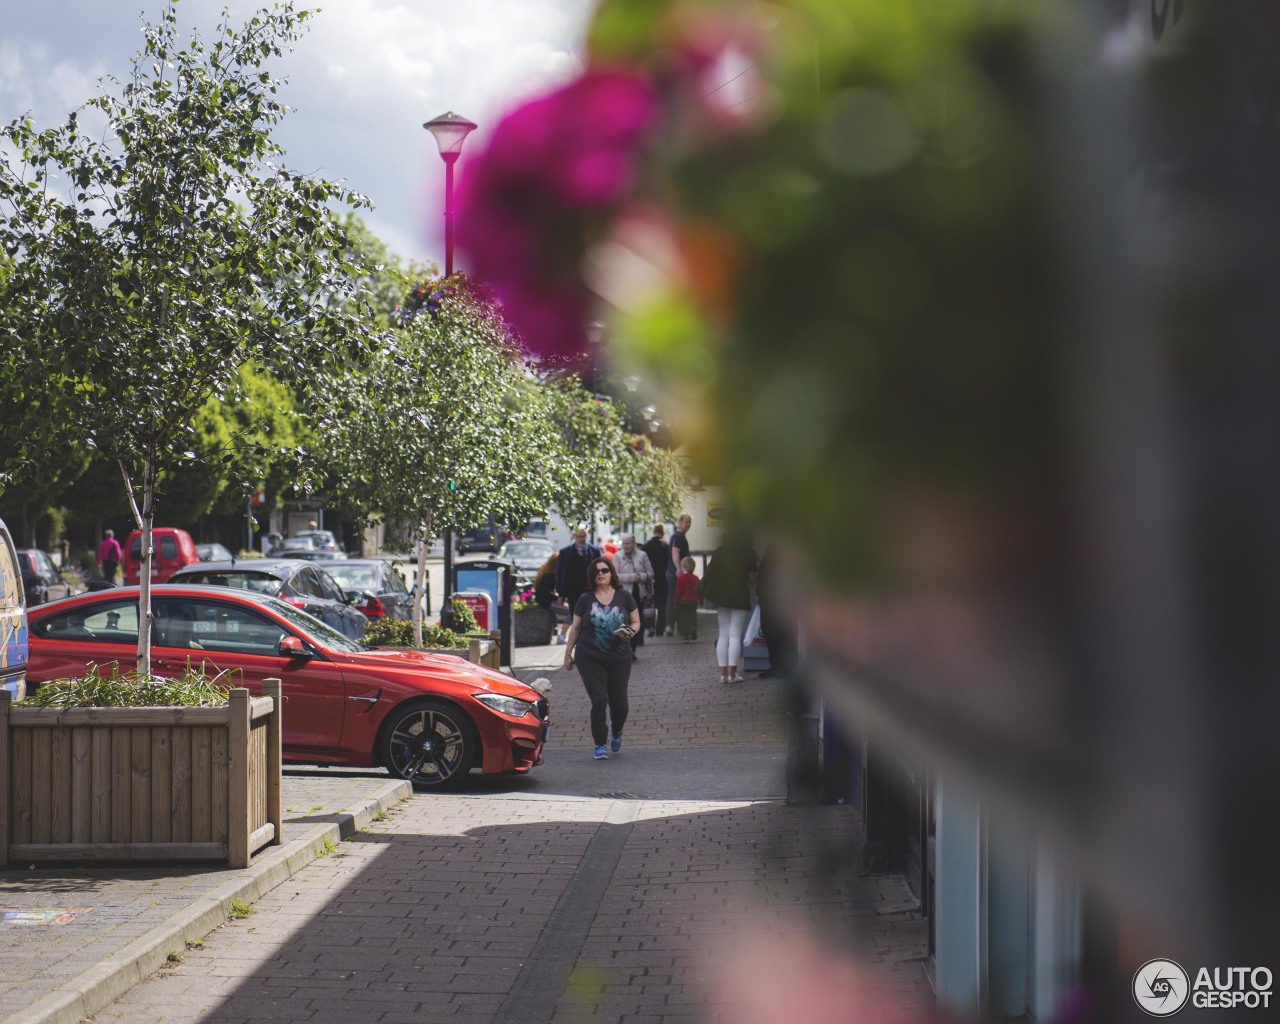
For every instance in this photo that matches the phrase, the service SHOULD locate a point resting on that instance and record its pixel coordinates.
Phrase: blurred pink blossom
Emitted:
(554, 169)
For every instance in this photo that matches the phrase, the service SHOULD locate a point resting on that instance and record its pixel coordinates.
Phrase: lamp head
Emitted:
(450, 131)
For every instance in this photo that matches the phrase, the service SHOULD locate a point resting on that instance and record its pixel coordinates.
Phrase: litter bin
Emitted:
(496, 578)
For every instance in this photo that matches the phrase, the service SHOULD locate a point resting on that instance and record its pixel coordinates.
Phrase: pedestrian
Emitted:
(775, 621)
(688, 591)
(679, 552)
(727, 583)
(605, 617)
(659, 552)
(109, 556)
(635, 572)
(544, 582)
(571, 573)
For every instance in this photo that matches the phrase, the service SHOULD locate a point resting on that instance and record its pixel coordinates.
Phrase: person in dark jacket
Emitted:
(776, 621)
(727, 585)
(571, 570)
(659, 552)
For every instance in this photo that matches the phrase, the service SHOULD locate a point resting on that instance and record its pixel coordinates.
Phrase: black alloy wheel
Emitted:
(431, 743)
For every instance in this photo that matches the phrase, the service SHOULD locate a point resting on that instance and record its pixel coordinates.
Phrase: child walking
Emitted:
(686, 600)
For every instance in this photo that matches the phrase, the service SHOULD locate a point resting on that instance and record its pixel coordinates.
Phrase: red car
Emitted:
(426, 717)
(172, 549)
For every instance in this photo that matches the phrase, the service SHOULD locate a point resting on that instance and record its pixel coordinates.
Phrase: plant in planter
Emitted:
(464, 620)
(478, 649)
(396, 633)
(531, 624)
(193, 689)
(114, 767)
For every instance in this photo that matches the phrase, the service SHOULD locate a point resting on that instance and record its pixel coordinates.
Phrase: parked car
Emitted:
(41, 580)
(323, 539)
(294, 544)
(382, 589)
(527, 556)
(297, 583)
(213, 553)
(310, 554)
(536, 529)
(485, 538)
(426, 717)
(13, 619)
(171, 550)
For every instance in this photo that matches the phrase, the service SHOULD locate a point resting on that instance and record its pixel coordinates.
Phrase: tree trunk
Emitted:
(420, 584)
(145, 518)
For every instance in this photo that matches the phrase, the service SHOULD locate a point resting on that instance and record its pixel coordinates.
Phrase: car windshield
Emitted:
(354, 577)
(313, 627)
(241, 579)
(297, 544)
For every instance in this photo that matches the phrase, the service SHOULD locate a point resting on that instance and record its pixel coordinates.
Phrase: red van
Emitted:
(173, 550)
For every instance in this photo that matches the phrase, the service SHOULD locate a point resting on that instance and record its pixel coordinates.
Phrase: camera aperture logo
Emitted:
(1161, 987)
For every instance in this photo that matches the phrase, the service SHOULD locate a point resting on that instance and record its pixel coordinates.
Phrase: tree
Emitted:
(245, 440)
(441, 429)
(178, 250)
(655, 484)
(389, 278)
(591, 476)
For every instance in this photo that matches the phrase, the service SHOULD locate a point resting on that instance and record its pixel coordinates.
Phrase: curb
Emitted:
(91, 990)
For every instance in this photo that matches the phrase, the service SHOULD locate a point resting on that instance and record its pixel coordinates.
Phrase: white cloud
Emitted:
(363, 79)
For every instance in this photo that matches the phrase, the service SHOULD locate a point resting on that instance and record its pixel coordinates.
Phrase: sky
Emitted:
(363, 80)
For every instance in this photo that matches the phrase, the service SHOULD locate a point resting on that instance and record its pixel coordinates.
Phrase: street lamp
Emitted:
(450, 131)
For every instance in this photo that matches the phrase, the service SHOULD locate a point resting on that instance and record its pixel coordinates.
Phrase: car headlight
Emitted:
(513, 706)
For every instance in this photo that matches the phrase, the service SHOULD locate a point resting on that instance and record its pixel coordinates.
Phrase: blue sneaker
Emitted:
(615, 744)
(602, 753)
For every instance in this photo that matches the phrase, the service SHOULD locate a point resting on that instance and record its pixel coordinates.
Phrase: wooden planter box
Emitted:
(155, 784)
(533, 627)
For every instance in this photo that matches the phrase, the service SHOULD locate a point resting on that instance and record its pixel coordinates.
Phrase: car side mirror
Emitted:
(292, 647)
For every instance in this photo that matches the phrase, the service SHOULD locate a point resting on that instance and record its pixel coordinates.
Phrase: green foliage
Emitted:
(863, 311)
(464, 620)
(442, 402)
(113, 689)
(387, 277)
(143, 271)
(653, 482)
(591, 474)
(397, 633)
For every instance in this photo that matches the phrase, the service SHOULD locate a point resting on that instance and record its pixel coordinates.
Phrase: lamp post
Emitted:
(450, 131)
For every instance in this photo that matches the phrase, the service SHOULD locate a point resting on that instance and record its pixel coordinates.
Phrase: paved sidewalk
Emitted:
(614, 891)
(72, 940)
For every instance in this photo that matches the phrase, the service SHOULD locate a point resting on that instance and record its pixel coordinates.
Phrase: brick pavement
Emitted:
(677, 700)
(124, 921)
(500, 905)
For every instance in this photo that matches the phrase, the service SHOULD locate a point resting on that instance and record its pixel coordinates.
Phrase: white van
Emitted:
(13, 619)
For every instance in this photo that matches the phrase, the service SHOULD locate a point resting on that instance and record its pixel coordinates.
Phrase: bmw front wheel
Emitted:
(431, 743)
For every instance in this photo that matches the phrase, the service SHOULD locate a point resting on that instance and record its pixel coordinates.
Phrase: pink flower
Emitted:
(553, 168)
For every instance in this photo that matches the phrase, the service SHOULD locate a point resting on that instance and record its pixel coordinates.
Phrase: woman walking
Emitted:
(635, 573)
(727, 585)
(605, 619)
